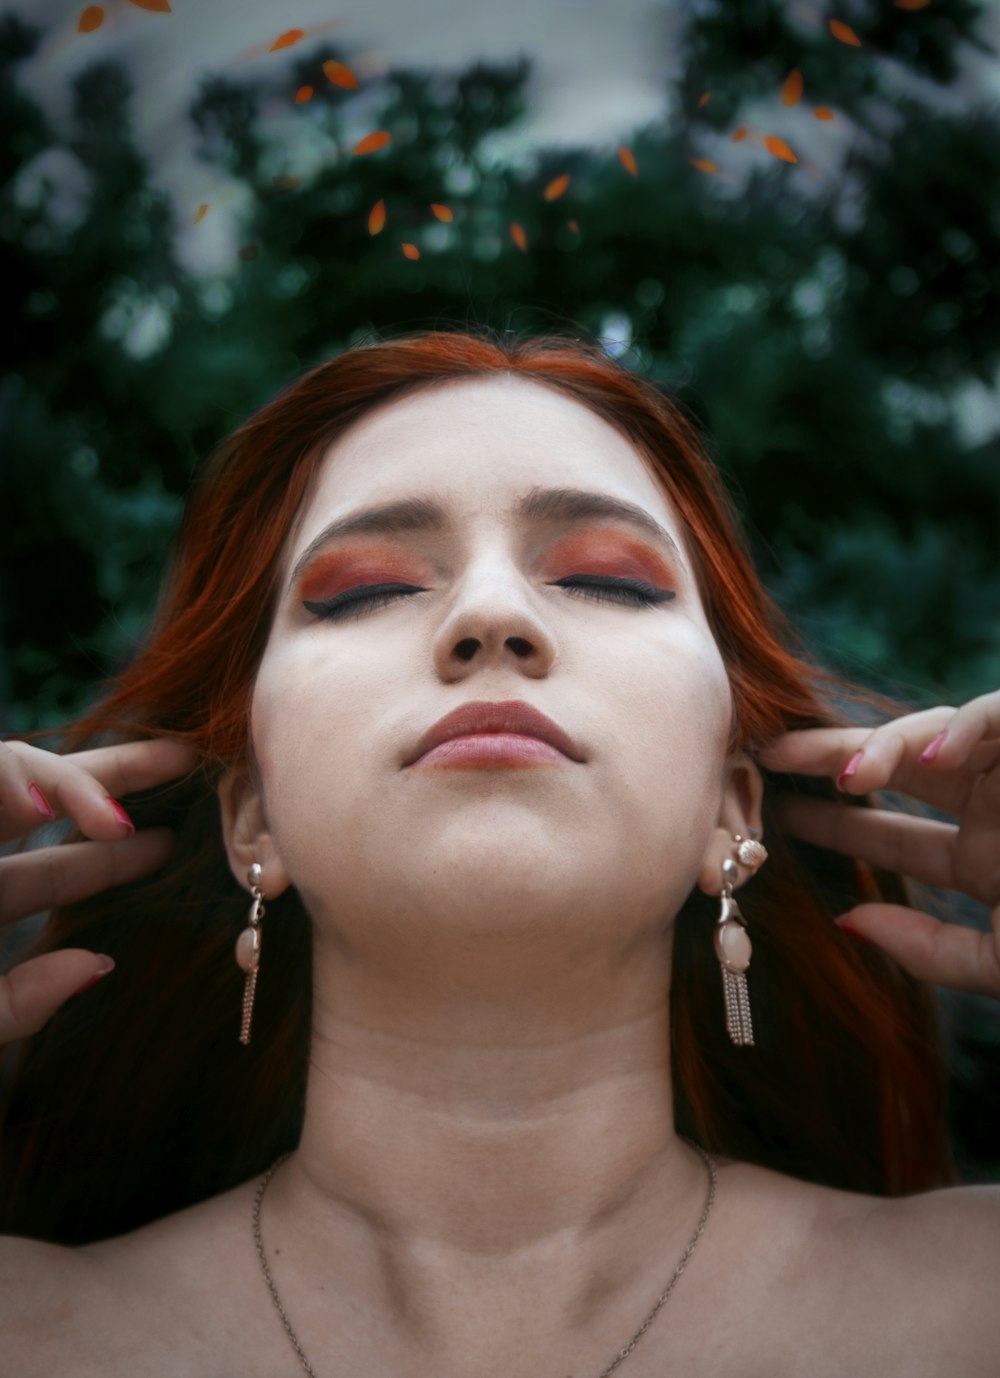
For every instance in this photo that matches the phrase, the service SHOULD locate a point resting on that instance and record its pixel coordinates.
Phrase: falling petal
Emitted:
(703, 99)
(284, 40)
(739, 134)
(844, 33)
(779, 148)
(411, 251)
(518, 236)
(823, 112)
(249, 252)
(556, 187)
(371, 143)
(91, 19)
(442, 212)
(911, 4)
(303, 94)
(157, 6)
(628, 160)
(703, 164)
(572, 225)
(791, 91)
(340, 74)
(199, 214)
(376, 218)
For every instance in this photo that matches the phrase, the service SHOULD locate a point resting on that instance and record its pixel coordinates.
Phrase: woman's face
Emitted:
(415, 859)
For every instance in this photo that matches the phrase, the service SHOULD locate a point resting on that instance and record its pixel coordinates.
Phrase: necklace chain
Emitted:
(622, 1353)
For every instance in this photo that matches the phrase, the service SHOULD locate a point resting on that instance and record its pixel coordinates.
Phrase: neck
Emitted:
(451, 1151)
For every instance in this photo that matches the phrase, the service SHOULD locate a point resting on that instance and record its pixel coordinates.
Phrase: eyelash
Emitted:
(613, 589)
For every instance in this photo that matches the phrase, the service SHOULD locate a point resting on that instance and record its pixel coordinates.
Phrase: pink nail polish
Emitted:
(106, 967)
(849, 769)
(120, 814)
(845, 927)
(929, 752)
(40, 802)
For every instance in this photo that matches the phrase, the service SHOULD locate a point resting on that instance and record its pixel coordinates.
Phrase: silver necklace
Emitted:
(622, 1354)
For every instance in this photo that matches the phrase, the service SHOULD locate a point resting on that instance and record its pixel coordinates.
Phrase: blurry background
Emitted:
(788, 213)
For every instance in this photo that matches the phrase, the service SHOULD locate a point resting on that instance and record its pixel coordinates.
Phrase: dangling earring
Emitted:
(248, 949)
(732, 944)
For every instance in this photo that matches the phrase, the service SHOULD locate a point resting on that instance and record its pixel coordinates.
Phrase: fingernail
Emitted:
(40, 802)
(845, 927)
(849, 769)
(929, 752)
(120, 814)
(106, 966)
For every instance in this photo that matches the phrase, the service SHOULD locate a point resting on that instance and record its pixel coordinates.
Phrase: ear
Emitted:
(246, 834)
(739, 812)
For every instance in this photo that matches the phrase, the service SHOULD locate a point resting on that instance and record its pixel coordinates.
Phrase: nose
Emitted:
(495, 619)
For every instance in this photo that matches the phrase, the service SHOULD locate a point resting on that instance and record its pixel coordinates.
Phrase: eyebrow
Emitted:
(413, 515)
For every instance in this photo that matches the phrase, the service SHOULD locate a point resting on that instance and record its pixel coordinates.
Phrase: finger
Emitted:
(36, 785)
(946, 954)
(861, 760)
(32, 992)
(975, 723)
(33, 882)
(921, 848)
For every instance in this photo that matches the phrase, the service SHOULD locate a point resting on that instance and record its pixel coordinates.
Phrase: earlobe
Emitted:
(246, 834)
(739, 815)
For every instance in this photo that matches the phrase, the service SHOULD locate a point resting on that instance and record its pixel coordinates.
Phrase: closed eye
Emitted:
(358, 602)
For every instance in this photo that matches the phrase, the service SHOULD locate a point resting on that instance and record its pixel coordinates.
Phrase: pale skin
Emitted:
(488, 1179)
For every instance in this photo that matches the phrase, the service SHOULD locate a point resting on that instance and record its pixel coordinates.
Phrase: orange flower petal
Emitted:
(823, 112)
(911, 4)
(157, 6)
(703, 99)
(284, 40)
(442, 212)
(199, 214)
(703, 164)
(791, 90)
(303, 94)
(556, 187)
(779, 148)
(340, 74)
(91, 19)
(844, 33)
(518, 236)
(739, 134)
(376, 218)
(371, 143)
(628, 160)
(411, 251)
(572, 225)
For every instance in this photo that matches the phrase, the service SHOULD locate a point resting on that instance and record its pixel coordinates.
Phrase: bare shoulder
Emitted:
(883, 1285)
(162, 1292)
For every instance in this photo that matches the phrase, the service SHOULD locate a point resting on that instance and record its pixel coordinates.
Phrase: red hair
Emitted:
(845, 1084)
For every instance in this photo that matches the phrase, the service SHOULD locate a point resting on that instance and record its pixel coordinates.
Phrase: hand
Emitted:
(37, 786)
(950, 759)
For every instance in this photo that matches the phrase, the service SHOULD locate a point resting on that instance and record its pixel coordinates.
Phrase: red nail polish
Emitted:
(40, 802)
(106, 967)
(849, 769)
(929, 752)
(845, 927)
(120, 814)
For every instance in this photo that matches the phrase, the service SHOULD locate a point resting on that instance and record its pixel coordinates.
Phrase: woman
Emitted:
(487, 1020)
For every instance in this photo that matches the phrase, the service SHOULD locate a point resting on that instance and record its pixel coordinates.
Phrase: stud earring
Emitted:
(732, 943)
(248, 949)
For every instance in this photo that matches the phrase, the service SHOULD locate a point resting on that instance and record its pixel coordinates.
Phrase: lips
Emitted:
(513, 715)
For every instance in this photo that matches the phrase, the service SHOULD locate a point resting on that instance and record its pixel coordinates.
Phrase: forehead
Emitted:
(478, 444)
